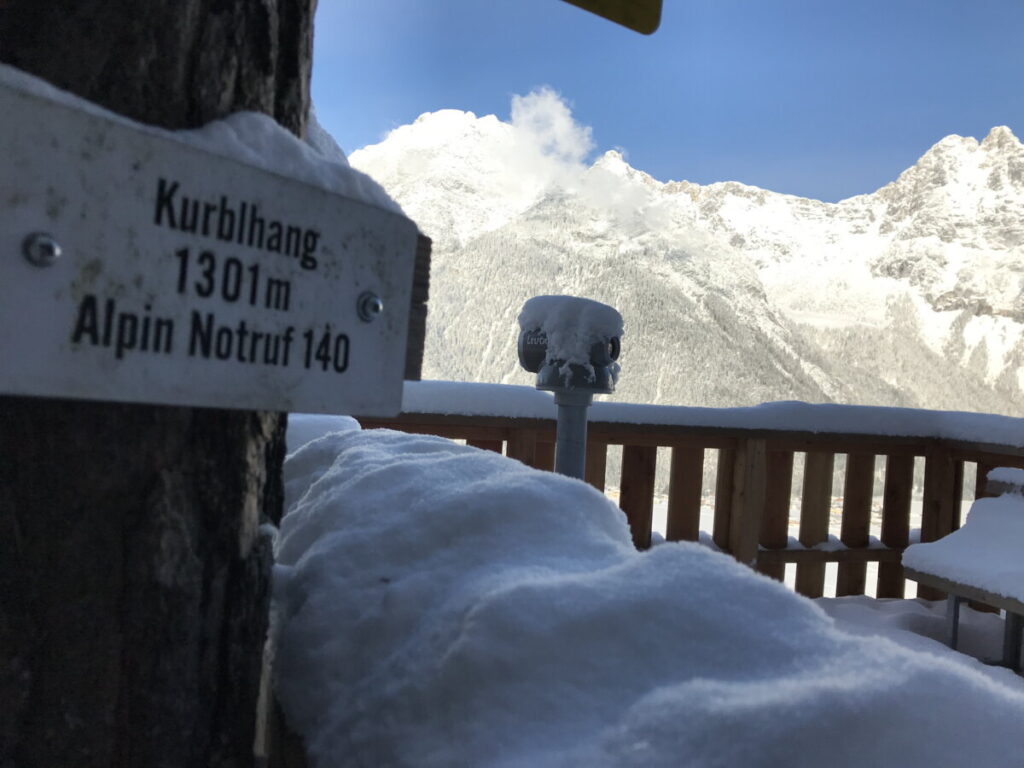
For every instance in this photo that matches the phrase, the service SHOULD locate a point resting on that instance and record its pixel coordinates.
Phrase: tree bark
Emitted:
(134, 583)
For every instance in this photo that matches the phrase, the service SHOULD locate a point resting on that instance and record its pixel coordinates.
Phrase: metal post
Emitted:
(952, 620)
(571, 438)
(1012, 640)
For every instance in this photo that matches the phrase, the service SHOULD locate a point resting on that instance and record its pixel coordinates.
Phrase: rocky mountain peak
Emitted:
(911, 295)
(1002, 139)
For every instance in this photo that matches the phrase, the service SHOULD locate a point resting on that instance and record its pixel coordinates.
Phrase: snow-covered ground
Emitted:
(440, 605)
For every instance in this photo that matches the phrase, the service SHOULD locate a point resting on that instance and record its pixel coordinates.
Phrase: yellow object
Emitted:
(644, 16)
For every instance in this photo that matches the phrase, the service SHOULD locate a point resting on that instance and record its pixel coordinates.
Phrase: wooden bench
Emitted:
(997, 482)
(958, 592)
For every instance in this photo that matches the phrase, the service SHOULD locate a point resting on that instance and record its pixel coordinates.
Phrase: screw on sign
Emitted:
(370, 306)
(41, 249)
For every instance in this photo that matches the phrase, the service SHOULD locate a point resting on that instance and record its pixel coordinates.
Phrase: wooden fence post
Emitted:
(724, 482)
(522, 446)
(775, 521)
(685, 478)
(896, 501)
(748, 499)
(637, 490)
(597, 463)
(815, 507)
(858, 489)
(937, 512)
(981, 490)
(544, 456)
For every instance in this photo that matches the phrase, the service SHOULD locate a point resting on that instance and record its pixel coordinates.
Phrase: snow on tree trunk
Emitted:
(133, 579)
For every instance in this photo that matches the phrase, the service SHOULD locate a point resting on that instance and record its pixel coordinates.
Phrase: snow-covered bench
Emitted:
(983, 561)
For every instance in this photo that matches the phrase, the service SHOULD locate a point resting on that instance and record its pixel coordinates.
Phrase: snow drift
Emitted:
(987, 552)
(439, 605)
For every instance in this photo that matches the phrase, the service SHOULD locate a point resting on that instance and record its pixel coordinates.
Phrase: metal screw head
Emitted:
(41, 249)
(369, 306)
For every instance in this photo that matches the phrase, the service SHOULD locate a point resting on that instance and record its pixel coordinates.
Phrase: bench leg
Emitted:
(1012, 640)
(952, 620)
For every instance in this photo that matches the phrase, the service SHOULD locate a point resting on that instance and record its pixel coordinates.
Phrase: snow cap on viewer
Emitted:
(572, 325)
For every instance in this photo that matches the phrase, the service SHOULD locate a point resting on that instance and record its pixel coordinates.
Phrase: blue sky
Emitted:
(811, 97)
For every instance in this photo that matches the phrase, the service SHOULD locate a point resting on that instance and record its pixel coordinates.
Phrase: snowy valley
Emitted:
(732, 295)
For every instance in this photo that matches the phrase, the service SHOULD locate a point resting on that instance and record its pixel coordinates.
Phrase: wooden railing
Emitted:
(753, 490)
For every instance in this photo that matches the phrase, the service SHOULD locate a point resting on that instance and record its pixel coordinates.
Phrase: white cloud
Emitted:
(544, 120)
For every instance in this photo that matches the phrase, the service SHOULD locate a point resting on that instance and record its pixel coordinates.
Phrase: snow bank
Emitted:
(249, 137)
(987, 552)
(921, 625)
(460, 398)
(1009, 478)
(454, 397)
(306, 427)
(440, 605)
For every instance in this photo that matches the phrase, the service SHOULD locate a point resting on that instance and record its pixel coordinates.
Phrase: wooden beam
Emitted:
(981, 490)
(815, 507)
(944, 586)
(748, 497)
(685, 478)
(775, 520)
(804, 557)
(896, 501)
(544, 456)
(637, 491)
(724, 481)
(597, 463)
(522, 446)
(629, 433)
(858, 489)
(937, 506)
(418, 310)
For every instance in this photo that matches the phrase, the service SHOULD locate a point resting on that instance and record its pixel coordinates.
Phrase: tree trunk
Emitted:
(133, 579)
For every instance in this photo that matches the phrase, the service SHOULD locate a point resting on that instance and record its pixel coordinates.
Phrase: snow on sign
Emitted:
(136, 267)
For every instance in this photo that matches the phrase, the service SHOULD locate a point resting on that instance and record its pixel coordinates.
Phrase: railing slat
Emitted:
(636, 489)
(775, 520)
(486, 445)
(522, 446)
(685, 478)
(723, 497)
(544, 456)
(597, 463)
(896, 501)
(815, 505)
(958, 494)
(858, 489)
(981, 490)
(748, 499)
(937, 506)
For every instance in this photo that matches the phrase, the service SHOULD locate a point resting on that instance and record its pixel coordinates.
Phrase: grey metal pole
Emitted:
(952, 620)
(571, 438)
(1012, 640)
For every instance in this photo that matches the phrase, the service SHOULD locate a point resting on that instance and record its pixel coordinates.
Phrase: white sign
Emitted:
(188, 278)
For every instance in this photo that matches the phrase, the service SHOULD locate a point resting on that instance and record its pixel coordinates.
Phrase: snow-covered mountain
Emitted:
(732, 295)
